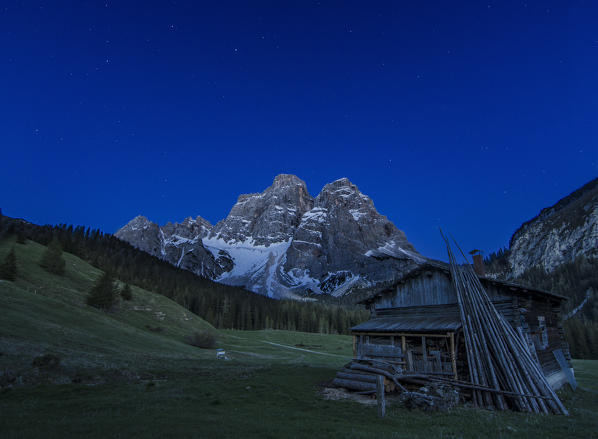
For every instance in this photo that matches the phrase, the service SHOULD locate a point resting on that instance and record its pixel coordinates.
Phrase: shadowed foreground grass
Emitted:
(231, 399)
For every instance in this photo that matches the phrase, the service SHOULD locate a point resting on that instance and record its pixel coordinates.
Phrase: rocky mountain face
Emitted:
(180, 244)
(343, 240)
(559, 233)
(285, 243)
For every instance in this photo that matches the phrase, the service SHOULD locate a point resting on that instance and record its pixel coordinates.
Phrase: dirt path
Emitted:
(304, 350)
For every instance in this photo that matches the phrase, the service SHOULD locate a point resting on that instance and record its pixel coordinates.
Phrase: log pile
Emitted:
(422, 391)
(361, 375)
(502, 372)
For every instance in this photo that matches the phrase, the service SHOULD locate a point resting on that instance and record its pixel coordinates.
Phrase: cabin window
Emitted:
(542, 332)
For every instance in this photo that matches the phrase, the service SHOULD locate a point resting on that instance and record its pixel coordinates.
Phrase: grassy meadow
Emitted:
(129, 373)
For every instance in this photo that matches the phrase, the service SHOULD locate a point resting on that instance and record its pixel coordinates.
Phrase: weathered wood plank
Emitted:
(356, 377)
(401, 334)
(453, 355)
(353, 385)
(380, 397)
(382, 351)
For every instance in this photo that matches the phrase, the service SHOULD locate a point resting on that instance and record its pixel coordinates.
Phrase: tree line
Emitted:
(221, 305)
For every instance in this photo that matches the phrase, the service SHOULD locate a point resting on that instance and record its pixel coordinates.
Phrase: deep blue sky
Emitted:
(467, 115)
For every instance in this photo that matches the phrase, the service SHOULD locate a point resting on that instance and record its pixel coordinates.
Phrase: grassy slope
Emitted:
(266, 390)
(42, 312)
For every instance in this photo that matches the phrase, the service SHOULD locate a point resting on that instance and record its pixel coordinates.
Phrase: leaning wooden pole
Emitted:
(529, 366)
(498, 359)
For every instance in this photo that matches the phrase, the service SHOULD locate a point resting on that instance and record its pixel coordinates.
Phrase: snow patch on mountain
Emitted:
(392, 249)
(357, 214)
(317, 214)
(250, 259)
(299, 277)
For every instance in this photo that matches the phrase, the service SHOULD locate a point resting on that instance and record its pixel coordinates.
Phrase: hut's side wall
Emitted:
(541, 318)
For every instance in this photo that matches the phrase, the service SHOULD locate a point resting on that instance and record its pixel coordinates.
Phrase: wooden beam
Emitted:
(401, 334)
(453, 355)
(353, 385)
(403, 345)
(424, 353)
(354, 346)
(380, 397)
(360, 349)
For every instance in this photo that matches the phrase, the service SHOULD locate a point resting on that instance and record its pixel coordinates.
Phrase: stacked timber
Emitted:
(361, 375)
(497, 357)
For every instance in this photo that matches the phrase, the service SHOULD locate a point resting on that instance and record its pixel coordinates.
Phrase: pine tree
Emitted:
(126, 292)
(8, 269)
(21, 234)
(52, 260)
(103, 295)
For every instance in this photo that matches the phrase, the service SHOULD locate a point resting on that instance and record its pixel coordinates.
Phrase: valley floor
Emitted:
(267, 392)
(129, 374)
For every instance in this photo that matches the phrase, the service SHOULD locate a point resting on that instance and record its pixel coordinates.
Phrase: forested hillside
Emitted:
(221, 305)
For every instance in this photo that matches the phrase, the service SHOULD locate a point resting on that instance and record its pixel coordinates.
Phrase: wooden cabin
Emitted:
(416, 325)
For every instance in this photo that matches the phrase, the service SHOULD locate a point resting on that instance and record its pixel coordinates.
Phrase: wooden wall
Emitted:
(531, 310)
(430, 288)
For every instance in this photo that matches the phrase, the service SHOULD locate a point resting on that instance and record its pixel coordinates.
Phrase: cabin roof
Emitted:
(433, 265)
(429, 318)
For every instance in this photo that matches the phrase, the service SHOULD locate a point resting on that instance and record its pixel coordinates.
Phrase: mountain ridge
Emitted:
(282, 242)
(558, 234)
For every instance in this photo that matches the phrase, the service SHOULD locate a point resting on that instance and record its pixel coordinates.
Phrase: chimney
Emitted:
(478, 262)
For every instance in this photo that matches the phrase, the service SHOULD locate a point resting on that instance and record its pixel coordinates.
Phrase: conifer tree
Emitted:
(8, 269)
(52, 260)
(126, 292)
(103, 295)
(20, 234)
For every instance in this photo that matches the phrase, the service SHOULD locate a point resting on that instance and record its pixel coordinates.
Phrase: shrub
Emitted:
(126, 292)
(154, 328)
(47, 361)
(202, 339)
(103, 295)
(8, 269)
(52, 260)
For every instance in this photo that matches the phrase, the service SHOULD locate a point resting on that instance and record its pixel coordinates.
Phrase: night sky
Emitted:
(467, 115)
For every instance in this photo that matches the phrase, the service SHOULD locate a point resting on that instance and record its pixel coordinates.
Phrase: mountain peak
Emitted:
(344, 181)
(342, 191)
(267, 217)
(342, 185)
(140, 218)
(287, 180)
(282, 242)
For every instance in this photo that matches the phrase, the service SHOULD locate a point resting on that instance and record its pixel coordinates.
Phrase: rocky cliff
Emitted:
(559, 233)
(282, 242)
